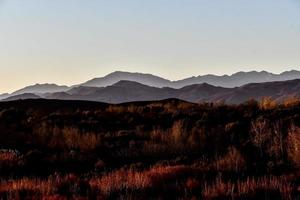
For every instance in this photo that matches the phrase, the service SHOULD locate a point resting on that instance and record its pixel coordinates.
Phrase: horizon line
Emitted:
(146, 73)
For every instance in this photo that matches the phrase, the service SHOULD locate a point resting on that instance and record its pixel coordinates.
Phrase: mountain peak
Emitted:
(41, 88)
(119, 72)
(291, 72)
(126, 83)
(114, 77)
(234, 80)
(22, 96)
(121, 78)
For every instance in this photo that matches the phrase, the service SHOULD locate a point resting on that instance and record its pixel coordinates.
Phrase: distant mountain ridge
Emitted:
(22, 96)
(41, 88)
(234, 80)
(4, 96)
(112, 78)
(128, 91)
(88, 88)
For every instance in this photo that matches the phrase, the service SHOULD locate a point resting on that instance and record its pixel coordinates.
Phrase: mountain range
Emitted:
(41, 89)
(119, 87)
(234, 80)
(128, 91)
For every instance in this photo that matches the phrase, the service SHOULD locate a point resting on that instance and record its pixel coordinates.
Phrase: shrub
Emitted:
(179, 133)
(192, 184)
(276, 147)
(267, 103)
(83, 141)
(35, 184)
(8, 156)
(50, 188)
(293, 145)
(196, 139)
(121, 180)
(248, 188)
(260, 133)
(291, 101)
(128, 180)
(232, 161)
(159, 135)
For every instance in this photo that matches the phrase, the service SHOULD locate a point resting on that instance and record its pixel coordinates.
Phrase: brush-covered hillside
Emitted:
(170, 149)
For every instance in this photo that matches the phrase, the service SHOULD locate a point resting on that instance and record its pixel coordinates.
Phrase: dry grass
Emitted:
(155, 149)
(44, 187)
(291, 101)
(293, 145)
(260, 133)
(267, 103)
(123, 109)
(83, 141)
(248, 187)
(276, 142)
(190, 146)
(154, 178)
(179, 135)
(232, 161)
(121, 180)
(8, 156)
(192, 184)
(158, 135)
(183, 107)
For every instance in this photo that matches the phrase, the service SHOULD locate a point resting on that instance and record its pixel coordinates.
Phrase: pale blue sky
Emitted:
(71, 41)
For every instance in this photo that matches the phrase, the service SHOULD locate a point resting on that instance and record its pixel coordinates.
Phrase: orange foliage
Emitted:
(232, 161)
(227, 189)
(83, 141)
(8, 156)
(192, 184)
(132, 180)
(293, 145)
(291, 101)
(267, 103)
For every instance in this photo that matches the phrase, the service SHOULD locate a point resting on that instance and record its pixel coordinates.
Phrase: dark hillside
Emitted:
(148, 150)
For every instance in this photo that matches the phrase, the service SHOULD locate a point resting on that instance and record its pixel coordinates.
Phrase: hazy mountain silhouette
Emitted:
(112, 78)
(277, 90)
(122, 91)
(121, 87)
(41, 88)
(127, 91)
(234, 80)
(22, 96)
(3, 96)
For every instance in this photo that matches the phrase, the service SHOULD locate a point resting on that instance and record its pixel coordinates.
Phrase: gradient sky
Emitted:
(71, 41)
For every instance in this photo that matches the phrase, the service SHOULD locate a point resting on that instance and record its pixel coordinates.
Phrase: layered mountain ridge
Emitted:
(120, 87)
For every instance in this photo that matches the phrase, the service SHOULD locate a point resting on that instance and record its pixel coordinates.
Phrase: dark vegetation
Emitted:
(169, 149)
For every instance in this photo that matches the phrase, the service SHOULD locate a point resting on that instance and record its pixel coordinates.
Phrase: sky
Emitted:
(70, 41)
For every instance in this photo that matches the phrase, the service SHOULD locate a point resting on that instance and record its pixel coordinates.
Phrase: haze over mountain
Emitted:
(234, 80)
(22, 96)
(112, 78)
(120, 87)
(3, 96)
(128, 91)
(41, 88)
